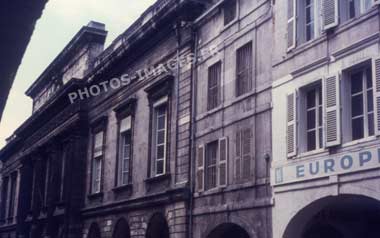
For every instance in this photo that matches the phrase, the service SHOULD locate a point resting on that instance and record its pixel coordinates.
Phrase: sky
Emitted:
(60, 21)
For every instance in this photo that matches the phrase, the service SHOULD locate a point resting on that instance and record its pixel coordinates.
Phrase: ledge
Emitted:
(158, 179)
(94, 196)
(124, 188)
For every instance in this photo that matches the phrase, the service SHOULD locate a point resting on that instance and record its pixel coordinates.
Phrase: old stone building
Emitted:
(326, 118)
(232, 122)
(40, 193)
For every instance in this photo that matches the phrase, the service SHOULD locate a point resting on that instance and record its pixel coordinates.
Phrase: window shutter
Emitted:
(292, 24)
(223, 162)
(247, 153)
(330, 13)
(291, 138)
(376, 93)
(332, 113)
(201, 168)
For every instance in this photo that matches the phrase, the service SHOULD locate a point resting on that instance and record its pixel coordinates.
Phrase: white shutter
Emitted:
(330, 9)
(332, 112)
(291, 138)
(125, 124)
(223, 162)
(376, 93)
(201, 168)
(292, 24)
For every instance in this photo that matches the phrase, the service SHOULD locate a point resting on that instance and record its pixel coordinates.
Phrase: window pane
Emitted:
(125, 178)
(369, 78)
(320, 116)
(160, 152)
(370, 100)
(311, 141)
(320, 137)
(371, 124)
(160, 122)
(356, 83)
(160, 137)
(357, 105)
(357, 128)
(311, 119)
(160, 167)
(311, 99)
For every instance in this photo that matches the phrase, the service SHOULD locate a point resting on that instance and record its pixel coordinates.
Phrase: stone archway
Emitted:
(94, 231)
(228, 230)
(344, 216)
(122, 229)
(157, 227)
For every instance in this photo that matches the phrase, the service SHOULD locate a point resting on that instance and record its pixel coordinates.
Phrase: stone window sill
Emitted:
(123, 188)
(95, 196)
(158, 179)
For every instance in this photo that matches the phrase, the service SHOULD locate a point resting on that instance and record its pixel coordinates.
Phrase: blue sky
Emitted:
(60, 21)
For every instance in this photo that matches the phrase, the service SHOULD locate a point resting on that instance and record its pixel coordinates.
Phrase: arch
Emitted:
(121, 229)
(337, 217)
(94, 231)
(157, 227)
(228, 230)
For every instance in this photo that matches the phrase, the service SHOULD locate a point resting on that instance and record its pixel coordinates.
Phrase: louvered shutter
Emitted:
(200, 168)
(292, 24)
(332, 113)
(330, 13)
(247, 152)
(376, 93)
(291, 138)
(223, 162)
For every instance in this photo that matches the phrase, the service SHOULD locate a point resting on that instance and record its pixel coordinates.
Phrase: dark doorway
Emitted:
(157, 227)
(345, 216)
(94, 231)
(228, 230)
(121, 229)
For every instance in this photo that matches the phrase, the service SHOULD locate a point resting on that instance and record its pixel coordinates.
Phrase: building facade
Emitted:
(40, 193)
(326, 135)
(232, 122)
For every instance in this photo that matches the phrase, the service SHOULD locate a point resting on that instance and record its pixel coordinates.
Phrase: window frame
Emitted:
(364, 92)
(214, 70)
(211, 166)
(163, 102)
(226, 21)
(99, 128)
(301, 27)
(241, 70)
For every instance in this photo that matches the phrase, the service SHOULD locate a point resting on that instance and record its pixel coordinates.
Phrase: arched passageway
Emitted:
(345, 216)
(157, 227)
(122, 229)
(228, 230)
(94, 231)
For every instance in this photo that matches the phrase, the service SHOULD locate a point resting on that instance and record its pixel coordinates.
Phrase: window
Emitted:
(312, 101)
(309, 20)
(230, 11)
(244, 69)
(212, 165)
(12, 195)
(97, 162)
(4, 197)
(362, 105)
(160, 114)
(214, 80)
(243, 155)
(354, 8)
(125, 152)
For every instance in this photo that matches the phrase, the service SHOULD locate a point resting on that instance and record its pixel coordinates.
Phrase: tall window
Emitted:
(309, 9)
(211, 165)
(244, 69)
(230, 11)
(125, 152)
(97, 162)
(314, 123)
(362, 105)
(4, 197)
(214, 80)
(12, 195)
(357, 7)
(243, 154)
(160, 123)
